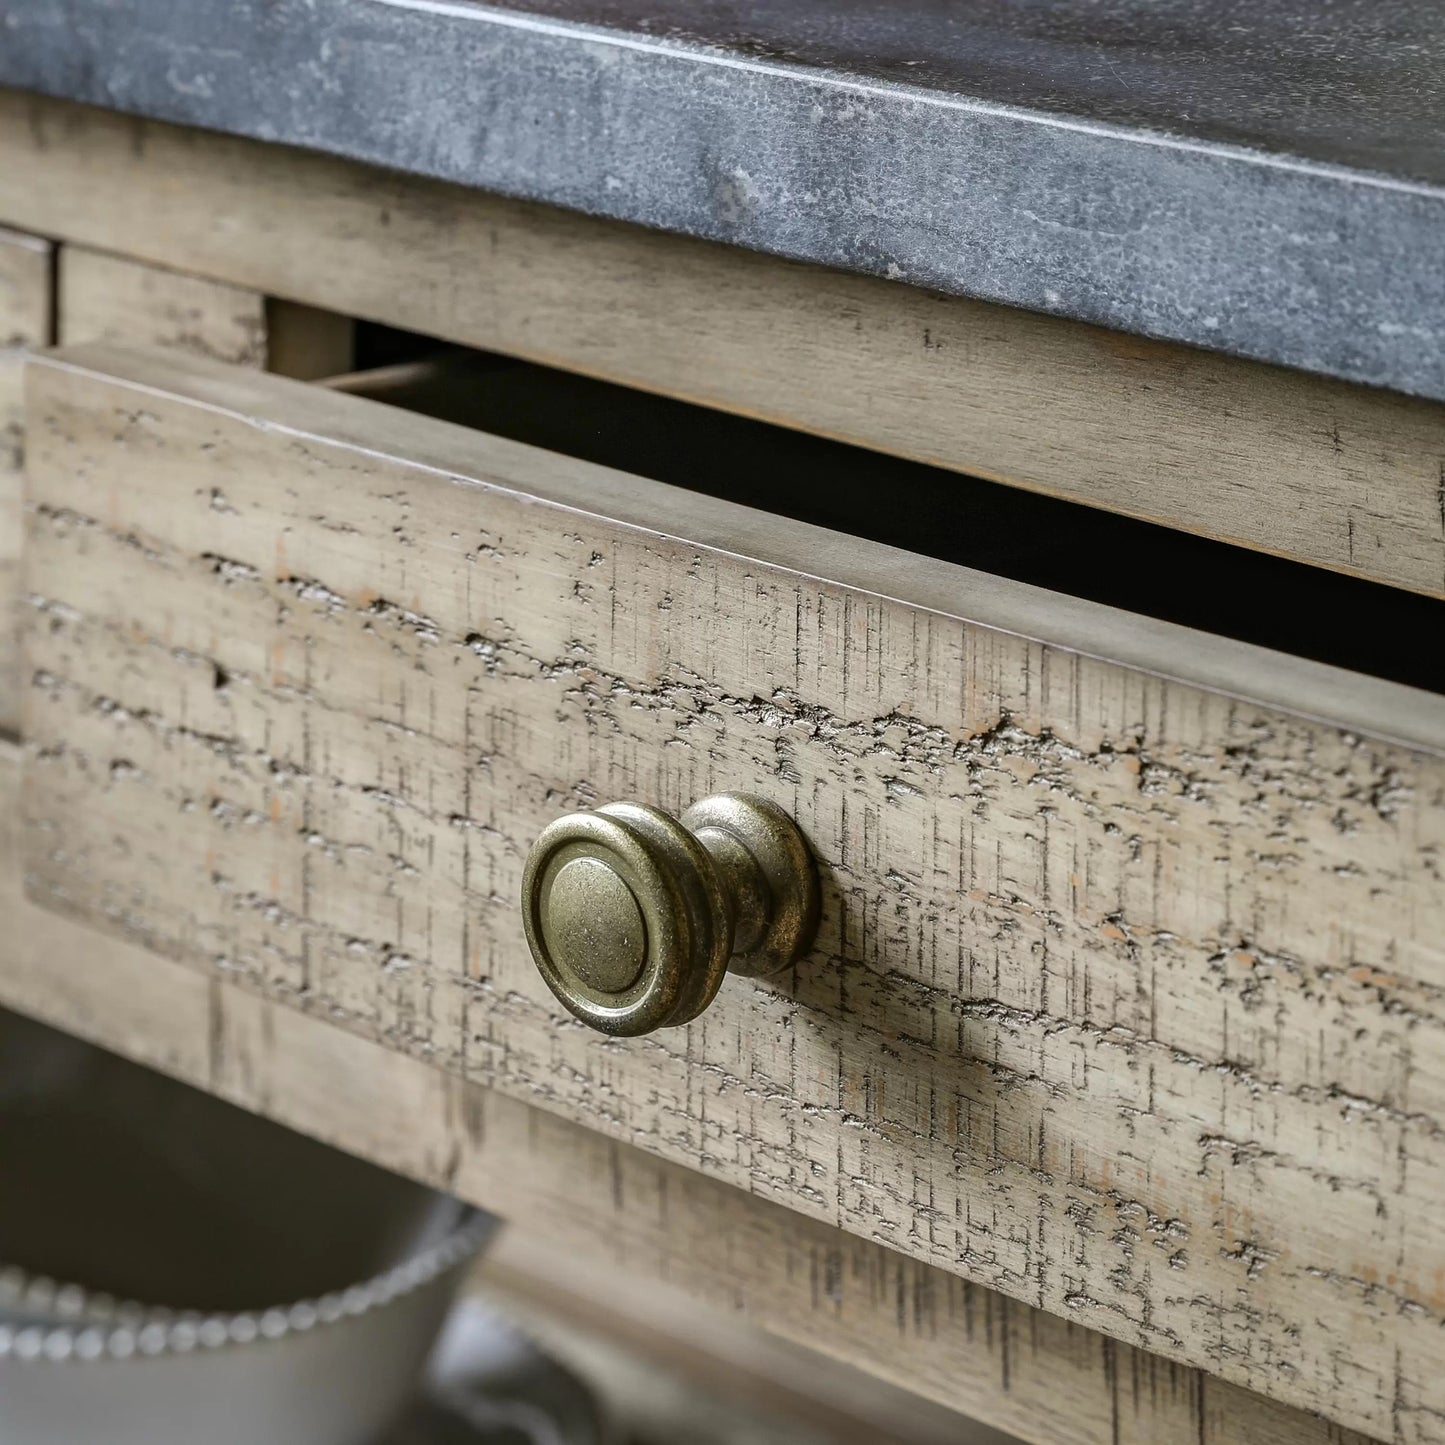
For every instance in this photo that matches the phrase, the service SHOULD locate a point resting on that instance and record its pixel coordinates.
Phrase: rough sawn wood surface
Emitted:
(591, 1198)
(1128, 995)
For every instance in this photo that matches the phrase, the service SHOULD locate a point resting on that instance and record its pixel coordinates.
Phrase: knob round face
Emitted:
(626, 918)
(593, 925)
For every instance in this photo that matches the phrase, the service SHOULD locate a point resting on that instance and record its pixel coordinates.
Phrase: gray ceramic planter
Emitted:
(233, 1283)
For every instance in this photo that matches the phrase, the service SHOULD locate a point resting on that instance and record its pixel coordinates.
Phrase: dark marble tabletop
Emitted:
(1263, 177)
(1359, 83)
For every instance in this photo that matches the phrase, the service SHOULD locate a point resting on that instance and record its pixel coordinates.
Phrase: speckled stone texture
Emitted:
(1262, 180)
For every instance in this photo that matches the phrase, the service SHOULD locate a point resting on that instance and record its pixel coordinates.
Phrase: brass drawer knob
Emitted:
(633, 917)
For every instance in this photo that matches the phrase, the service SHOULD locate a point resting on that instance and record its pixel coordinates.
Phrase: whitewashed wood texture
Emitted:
(89, 296)
(595, 1199)
(109, 298)
(99, 297)
(1344, 477)
(1127, 999)
(103, 297)
(704, 1362)
(25, 322)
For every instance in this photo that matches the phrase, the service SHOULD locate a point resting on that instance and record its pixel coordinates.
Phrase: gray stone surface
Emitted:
(1266, 179)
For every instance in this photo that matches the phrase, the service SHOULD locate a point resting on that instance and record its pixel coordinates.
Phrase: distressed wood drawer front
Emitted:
(1044, 1380)
(1127, 999)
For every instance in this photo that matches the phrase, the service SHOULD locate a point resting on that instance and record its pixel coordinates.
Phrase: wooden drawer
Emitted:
(600, 1203)
(1127, 998)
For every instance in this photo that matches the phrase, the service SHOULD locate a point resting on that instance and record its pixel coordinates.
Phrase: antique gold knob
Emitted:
(633, 917)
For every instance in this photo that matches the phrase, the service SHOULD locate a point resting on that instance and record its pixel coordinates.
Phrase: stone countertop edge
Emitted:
(1320, 267)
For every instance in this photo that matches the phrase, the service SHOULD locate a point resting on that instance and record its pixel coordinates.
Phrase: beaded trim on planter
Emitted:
(84, 1326)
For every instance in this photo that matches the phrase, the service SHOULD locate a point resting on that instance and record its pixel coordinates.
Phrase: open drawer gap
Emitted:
(1082, 551)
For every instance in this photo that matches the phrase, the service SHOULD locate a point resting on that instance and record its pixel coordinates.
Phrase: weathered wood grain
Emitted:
(25, 322)
(25, 263)
(598, 1200)
(672, 1368)
(1128, 995)
(85, 295)
(1340, 476)
(104, 297)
